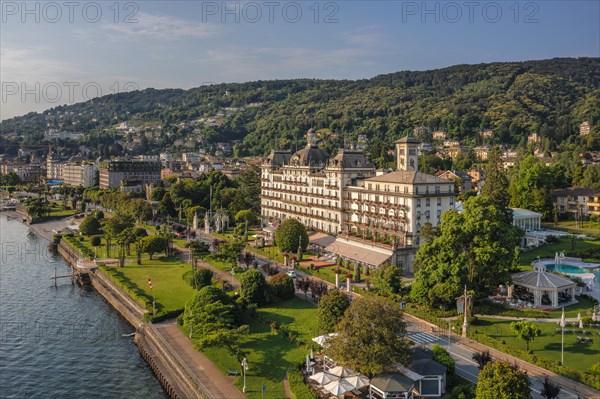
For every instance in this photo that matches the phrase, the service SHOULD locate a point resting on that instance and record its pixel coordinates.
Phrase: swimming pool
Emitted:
(570, 269)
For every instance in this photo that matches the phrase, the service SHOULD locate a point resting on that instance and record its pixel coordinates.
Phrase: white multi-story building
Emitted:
(366, 216)
(79, 173)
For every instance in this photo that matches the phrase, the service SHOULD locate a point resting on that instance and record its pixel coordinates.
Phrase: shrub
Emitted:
(198, 278)
(253, 287)
(95, 241)
(282, 286)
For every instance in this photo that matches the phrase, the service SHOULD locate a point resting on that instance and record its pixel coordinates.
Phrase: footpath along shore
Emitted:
(183, 372)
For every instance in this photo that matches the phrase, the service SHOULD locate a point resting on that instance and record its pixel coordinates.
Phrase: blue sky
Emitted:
(54, 54)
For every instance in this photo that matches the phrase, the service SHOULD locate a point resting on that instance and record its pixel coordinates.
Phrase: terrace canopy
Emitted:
(348, 250)
(548, 289)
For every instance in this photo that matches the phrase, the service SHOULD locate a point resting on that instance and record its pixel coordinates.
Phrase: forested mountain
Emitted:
(551, 97)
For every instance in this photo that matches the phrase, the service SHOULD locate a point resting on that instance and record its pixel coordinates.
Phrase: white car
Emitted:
(292, 274)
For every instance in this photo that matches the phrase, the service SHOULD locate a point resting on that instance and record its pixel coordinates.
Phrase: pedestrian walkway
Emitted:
(215, 382)
(422, 338)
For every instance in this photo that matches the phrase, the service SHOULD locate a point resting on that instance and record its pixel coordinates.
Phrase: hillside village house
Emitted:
(578, 201)
(364, 215)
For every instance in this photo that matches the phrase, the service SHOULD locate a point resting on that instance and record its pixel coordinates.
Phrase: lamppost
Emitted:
(562, 345)
(244, 365)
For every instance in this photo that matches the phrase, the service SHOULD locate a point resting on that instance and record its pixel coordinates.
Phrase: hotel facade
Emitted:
(362, 214)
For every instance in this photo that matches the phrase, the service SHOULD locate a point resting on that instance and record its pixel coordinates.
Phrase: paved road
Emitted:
(465, 366)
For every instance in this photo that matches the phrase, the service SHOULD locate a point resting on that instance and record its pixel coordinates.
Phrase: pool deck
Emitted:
(593, 288)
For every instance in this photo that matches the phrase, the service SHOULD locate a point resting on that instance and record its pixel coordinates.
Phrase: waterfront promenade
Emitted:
(214, 384)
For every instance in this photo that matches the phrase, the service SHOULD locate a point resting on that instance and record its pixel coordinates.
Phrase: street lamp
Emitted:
(244, 365)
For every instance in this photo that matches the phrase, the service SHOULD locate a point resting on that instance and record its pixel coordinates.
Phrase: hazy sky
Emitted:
(63, 52)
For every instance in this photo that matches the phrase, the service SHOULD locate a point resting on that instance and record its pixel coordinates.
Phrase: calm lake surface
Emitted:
(63, 342)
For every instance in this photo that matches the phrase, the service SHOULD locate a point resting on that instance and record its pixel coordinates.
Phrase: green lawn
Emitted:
(269, 355)
(166, 274)
(549, 250)
(578, 356)
(589, 228)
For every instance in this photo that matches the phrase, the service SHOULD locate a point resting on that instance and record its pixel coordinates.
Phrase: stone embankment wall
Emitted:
(176, 378)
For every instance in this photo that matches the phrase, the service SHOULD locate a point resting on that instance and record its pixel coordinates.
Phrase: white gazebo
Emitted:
(548, 289)
(526, 219)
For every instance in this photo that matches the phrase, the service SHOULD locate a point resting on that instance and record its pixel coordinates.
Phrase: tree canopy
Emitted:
(526, 331)
(290, 234)
(502, 380)
(371, 336)
(89, 226)
(253, 287)
(387, 279)
(476, 247)
(331, 309)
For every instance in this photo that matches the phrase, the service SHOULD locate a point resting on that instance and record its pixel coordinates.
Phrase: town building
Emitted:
(585, 128)
(439, 135)
(112, 172)
(533, 138)
(79, 173)
(32, 172)
(462, 181)
(577, 201)
(486, 134)
(367, 216)
(482, 152)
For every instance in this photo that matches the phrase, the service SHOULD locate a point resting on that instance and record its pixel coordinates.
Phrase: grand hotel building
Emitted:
(362, 214)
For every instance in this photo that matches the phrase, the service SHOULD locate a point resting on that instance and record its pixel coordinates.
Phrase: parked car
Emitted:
(292, 274)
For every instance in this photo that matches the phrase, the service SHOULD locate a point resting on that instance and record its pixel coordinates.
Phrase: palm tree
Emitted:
(549, 389)
(482, 358)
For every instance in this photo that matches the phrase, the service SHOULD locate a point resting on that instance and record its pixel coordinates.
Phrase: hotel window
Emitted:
(417, 190)
(427, 202)
(437, 189)
(426, 189)
(451, 200)
(439, 213)
(439, 202)
(418, 202)
(405, 189)
(427, 214)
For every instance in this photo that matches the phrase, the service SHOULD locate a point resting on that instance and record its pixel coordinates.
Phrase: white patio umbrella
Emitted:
(323, 378)
(339, 387)
(341, 371)
(358, 381)
(321, 339)
(579, 320)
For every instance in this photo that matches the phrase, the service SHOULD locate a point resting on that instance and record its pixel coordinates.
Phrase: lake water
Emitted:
(63, 342)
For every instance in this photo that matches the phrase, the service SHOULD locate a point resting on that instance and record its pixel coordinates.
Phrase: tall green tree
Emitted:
(253, 287)
(387, 279)
(476, 247)
(290, 235)
(371, 336)
(526, 331)
(152, 245)
(530, 186)
(502, 380)
(89, 226)
(496, 183)
(331, 309)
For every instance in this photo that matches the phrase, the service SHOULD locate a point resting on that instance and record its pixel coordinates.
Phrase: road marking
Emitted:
(422, 338)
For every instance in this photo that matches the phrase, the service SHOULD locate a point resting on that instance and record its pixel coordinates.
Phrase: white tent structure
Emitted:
(322, 339)
(341, 371)
(323, 378)
(358, 381)
(339, 387)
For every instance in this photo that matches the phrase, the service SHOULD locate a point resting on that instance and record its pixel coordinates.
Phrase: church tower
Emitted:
(407, 157)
